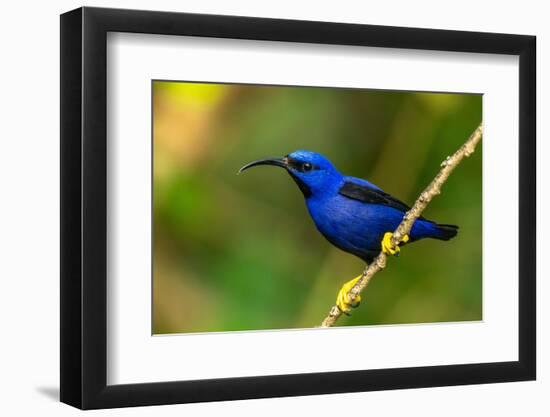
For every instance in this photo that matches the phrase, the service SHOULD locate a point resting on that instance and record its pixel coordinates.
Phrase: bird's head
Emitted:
(311, 171)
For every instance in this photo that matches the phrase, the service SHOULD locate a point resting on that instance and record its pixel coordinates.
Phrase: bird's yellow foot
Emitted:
(343, 300)
(387, 247)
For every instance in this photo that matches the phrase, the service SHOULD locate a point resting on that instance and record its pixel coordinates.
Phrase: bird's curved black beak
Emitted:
(278, 162)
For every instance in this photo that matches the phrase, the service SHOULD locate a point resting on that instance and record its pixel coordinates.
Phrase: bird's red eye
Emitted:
(307, 167)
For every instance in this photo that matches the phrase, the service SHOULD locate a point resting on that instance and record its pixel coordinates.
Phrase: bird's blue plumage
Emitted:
(351, 213)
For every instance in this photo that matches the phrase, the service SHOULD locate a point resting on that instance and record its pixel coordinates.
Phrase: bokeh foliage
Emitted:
(241, 253)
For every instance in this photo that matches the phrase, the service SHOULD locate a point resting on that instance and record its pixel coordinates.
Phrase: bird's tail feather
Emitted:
(446, 231)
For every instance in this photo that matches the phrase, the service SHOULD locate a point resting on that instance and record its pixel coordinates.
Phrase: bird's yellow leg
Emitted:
(342, 301)
(387, 247)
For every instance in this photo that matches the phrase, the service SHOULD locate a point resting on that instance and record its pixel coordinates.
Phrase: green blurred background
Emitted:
(241, 253)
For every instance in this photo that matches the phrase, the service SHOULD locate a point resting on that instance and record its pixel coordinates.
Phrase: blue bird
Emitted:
(353, 214)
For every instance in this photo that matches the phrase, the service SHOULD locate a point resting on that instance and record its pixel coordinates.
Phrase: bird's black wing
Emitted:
(371, 195)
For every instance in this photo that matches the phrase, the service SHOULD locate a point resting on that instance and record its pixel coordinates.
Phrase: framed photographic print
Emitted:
(231, 185)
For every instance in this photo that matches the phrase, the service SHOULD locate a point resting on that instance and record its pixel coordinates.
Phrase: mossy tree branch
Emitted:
(404, 228)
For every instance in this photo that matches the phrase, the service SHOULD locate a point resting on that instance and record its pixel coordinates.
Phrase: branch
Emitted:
(379, 263)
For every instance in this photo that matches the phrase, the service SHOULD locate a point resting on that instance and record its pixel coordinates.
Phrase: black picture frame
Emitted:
(84, 207)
